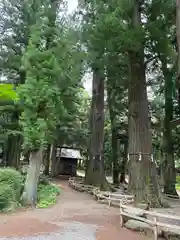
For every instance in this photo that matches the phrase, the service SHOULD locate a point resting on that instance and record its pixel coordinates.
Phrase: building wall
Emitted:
(68, 166)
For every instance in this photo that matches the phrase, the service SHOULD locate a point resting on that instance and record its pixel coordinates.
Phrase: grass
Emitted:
(178, 186)
(47, 195)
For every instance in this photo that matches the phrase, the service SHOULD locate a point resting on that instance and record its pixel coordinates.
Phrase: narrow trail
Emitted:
(76, 216)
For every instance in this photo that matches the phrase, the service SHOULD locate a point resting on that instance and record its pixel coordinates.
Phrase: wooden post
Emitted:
(109, 199)
(155, 229)
(98, 196)
(121, 215)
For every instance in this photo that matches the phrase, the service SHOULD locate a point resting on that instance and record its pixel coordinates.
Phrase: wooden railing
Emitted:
(113, 197)
(153, 219)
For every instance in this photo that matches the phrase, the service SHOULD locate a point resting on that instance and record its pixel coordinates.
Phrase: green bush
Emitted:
(47, 195)
(178, 179)
(7, 196)
(178, 182)
(13, 179)
(11, 186)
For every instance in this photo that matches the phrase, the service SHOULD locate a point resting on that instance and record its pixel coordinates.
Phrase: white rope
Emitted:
(140, 154)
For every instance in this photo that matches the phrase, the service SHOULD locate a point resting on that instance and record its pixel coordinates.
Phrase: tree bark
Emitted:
(29, 195)
(18, 150)
(53, 160)
(178, 46)
(114, 139)
(13, 153)
(46, 160)
(169, 171)
(9, 154)
(142, 173)
(57, 165)
(123, 164)
(95, 171)
(115, 155)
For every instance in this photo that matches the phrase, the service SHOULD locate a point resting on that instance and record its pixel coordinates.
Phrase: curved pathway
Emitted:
(76, 216)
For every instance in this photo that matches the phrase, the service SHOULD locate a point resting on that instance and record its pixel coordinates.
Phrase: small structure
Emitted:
(68, 160)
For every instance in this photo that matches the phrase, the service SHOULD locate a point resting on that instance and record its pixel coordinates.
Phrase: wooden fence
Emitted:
(153, 219)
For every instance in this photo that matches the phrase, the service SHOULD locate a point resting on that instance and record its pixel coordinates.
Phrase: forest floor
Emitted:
(76, 216)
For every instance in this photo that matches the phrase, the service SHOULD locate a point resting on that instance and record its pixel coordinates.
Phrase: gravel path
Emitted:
(71, 231)
(76, 216)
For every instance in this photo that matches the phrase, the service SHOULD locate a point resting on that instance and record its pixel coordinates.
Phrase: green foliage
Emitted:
(13, 179)
(17, 18)
(49, 54)
(178, 179)
(39, 95)
(47, 195)
(10, 188)
(43, 52)
(12, 183)
(178, 183)
(7, 196)
(53, 65)
(7, 92)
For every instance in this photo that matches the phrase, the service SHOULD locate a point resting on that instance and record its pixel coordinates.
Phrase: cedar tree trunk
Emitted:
(29, 195)
(142, 173)
(95, 171)
(114, 139)
(169, 172)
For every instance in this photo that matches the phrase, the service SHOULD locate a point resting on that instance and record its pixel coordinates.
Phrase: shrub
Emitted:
(11, 186)
(47, 195)
(178, 179)
(7, 196)
(13, 179)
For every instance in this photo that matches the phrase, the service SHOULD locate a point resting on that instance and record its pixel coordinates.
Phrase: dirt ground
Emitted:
(72, 208)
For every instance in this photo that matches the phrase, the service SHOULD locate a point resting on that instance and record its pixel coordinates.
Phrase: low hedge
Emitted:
(12, 178)
(10, 187)
(7, 196)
